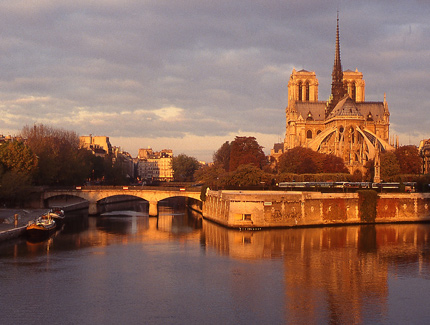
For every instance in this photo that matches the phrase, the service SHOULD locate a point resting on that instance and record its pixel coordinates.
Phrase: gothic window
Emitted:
(309, 134)
(318, 132)
(370, 117)
(353, 92)
(351, 131)
(341, 129)
(307, 91)
(300, 91)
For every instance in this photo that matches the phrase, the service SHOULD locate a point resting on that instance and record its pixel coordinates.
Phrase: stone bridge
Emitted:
(94, 195)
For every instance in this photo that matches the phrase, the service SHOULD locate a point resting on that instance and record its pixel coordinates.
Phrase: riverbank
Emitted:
(11, 228)
(274, 209)
(13, 222)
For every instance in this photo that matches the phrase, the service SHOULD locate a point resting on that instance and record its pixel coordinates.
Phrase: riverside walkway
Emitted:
(8, 228)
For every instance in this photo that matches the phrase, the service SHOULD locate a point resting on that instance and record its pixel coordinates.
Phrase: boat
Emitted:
(41, 228)
(57, 215)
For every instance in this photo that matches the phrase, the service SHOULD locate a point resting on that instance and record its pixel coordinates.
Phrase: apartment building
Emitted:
(155, 165)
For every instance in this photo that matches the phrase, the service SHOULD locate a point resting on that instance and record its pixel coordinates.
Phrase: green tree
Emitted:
(18, 157)
(244, 151)
(247, 175)
(17, 167)
(114, 173)
(14, 186)
(184, 167)
(389, 166)
(213, 176)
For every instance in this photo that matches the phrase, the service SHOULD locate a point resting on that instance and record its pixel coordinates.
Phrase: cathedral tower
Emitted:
(337, 87)
(346, 125)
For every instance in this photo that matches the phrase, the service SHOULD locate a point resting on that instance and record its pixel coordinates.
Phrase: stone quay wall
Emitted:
(266, 209)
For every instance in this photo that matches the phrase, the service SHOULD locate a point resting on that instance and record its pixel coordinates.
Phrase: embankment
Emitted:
(266, 209)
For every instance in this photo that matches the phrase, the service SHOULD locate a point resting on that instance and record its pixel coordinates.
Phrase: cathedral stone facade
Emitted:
(345, 125)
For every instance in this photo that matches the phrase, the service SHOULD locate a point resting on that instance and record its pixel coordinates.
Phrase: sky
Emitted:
(189, 75)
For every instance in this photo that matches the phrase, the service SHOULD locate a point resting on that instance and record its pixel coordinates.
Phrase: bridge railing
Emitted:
(125, 187)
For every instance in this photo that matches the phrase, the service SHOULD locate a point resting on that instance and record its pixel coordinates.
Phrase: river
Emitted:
(175, 269)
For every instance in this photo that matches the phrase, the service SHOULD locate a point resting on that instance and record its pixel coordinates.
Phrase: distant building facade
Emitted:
(345, 125)
(424, 150)
(99, 145)
(5, 139)
(155, 165)
(125, 160)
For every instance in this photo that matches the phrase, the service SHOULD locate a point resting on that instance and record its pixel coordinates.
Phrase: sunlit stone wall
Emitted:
(262, 209)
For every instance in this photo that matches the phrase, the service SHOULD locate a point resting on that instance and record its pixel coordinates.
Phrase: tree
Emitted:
(409, 159)
(334, 164)
(222, 156)
(184, 167)
(301, 160)
(14, 186)
(114, 173)
(213, 176)
(370, 170)
(246, 175)
(389, 165)
(244, 151)
(58, 153)
(17, 167)
(16, 156)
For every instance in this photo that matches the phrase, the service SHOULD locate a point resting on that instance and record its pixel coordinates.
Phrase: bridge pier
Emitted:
(93, 208)
(94, 195)
(153, 208)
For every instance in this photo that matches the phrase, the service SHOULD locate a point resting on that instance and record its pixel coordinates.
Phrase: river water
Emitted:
(174, 269)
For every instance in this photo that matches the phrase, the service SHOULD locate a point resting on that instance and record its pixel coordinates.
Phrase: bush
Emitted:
(367, 201)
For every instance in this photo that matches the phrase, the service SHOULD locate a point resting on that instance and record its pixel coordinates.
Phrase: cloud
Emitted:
(189, 70)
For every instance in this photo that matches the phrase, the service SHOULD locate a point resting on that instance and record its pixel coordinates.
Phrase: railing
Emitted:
(125, 187)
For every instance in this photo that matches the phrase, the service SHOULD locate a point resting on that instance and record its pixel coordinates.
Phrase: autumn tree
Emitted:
(59, 156)
(184, 167)
(244, 151)
(222, 156)
(333, 164)
(301, 160)
(409, 159)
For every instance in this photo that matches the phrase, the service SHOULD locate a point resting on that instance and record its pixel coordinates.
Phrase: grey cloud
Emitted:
(225, 64)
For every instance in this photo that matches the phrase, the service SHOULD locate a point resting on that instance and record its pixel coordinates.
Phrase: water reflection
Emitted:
(335, 274)
(312, 275)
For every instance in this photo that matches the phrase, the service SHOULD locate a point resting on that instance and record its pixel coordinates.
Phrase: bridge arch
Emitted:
(93, 196)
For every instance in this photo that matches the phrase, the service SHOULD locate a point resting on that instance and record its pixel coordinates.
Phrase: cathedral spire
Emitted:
(337, 89)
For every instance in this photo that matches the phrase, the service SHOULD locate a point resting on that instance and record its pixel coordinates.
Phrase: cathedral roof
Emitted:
(345, 107)
(376, 109)
(317, 110)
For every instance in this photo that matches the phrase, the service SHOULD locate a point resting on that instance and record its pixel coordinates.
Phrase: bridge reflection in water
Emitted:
(304, 275)
(339, 273)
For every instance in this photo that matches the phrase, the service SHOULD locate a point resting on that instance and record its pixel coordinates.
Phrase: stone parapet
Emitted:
(267, 209)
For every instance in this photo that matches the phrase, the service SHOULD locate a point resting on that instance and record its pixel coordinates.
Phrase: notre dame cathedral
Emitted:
(345, 125)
